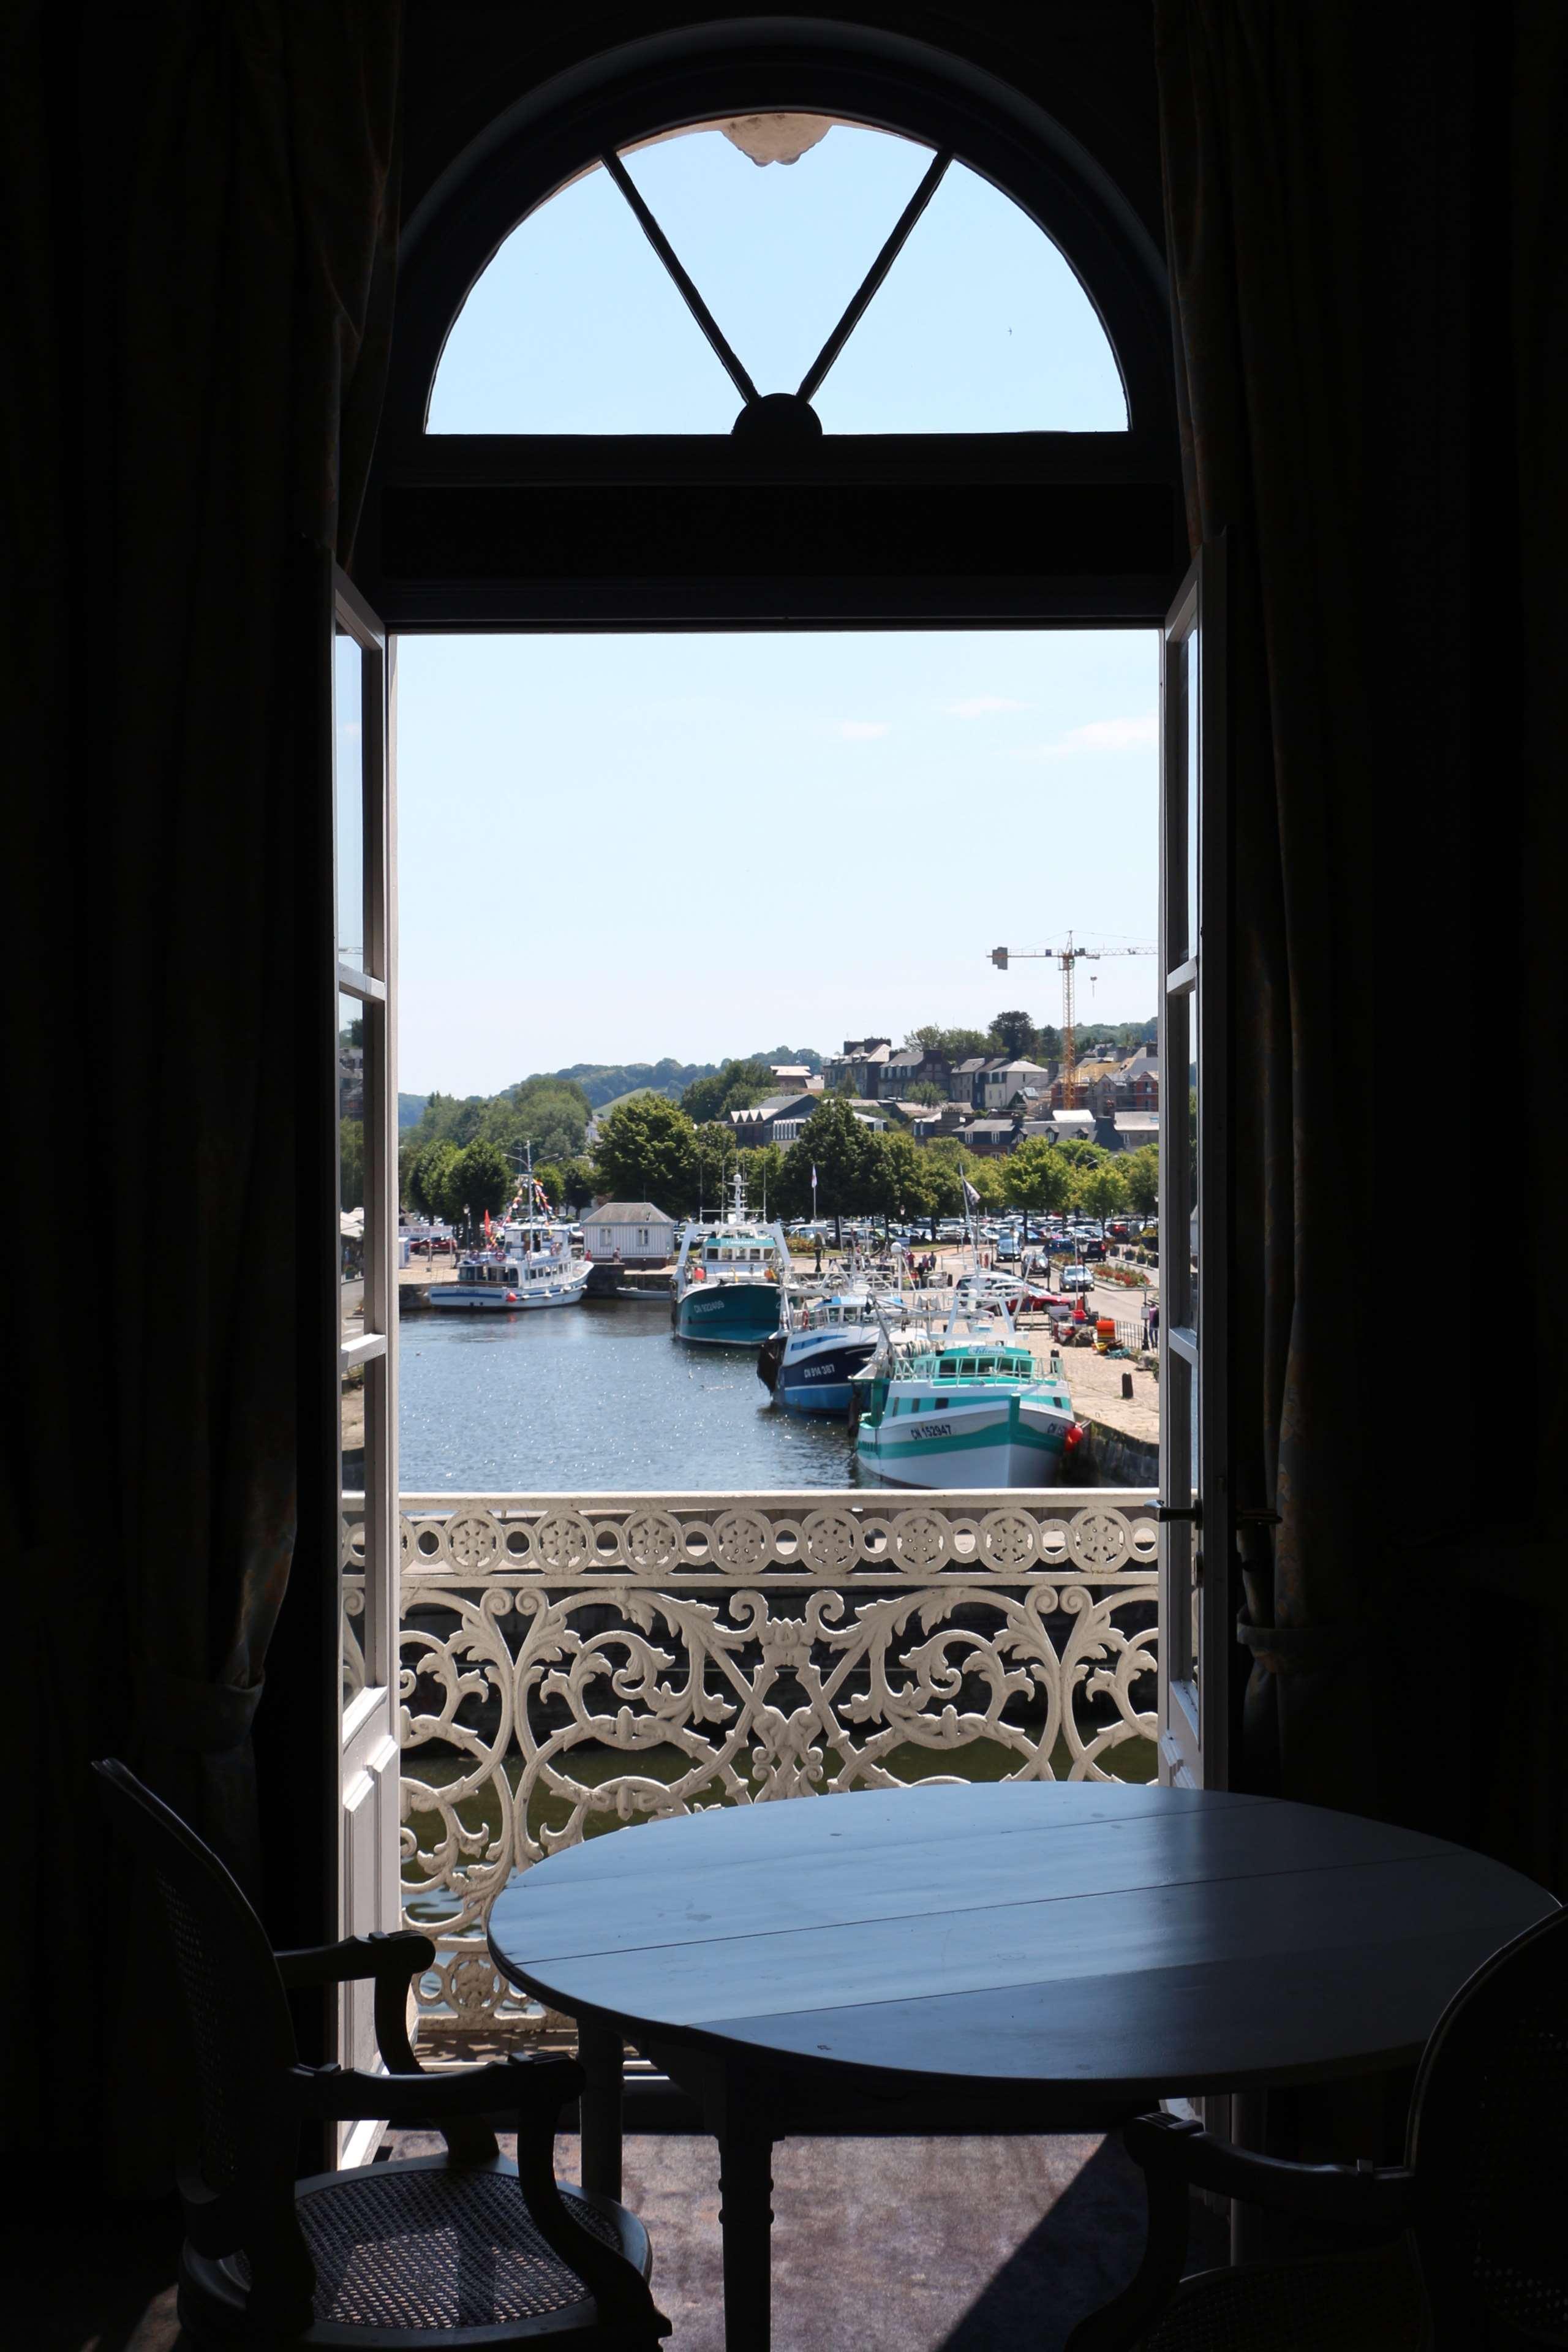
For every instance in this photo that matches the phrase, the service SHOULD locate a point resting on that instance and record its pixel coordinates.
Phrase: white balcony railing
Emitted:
(572, 1663)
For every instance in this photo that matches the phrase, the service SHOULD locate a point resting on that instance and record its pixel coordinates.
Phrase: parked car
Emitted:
(1094, 1249)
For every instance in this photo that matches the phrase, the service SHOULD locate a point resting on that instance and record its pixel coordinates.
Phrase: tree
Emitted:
(479, 1183)
(428, 1176)
(647, 1151)
(1039, 1177)
(1102, 1190)
(351, 1163)
(1141, 1171)
(716, 1156)
(896, 1178)
(1081, 1154)
(954, 1045)
(1013, 1033)
(768, 1189)
(1047, 1044)
(734, 1087)
(833, 1141)
(579, 1182)
(922, 1091)
(989, 1178)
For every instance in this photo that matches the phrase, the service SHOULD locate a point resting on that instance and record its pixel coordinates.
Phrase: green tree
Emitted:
(1142, 1170)
(647, 1151)
(480, 1182)
(896, 1178)
(717, 1155)
(427, 1176)
(351, 1163)
(1102, 1190)
(833, 1141)
(1039, 1177)
(924, 1091)
(954, 1045)
(989, 1178)
(768, 1187)
(1047, 1044)
(1013, 1033)
(579, 1182)
(736, 1086)
(1080, 1153)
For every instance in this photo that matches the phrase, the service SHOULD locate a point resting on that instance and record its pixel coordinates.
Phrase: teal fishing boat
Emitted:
(728, 1279)
(943, 1410)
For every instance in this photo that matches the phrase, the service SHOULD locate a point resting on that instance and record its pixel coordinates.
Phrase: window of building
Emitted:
(874, 282)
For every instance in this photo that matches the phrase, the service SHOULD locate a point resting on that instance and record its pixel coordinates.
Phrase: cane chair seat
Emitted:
(1359, 2303)
(425, 2248)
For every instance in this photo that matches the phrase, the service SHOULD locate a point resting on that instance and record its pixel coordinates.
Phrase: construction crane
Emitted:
(1067, 958)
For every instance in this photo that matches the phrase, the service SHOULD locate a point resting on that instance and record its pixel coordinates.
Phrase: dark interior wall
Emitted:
(1093, 68)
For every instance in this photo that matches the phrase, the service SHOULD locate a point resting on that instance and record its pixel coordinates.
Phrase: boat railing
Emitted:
(571, 1664)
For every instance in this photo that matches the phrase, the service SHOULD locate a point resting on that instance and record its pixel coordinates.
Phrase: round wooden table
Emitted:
(1048, 1957)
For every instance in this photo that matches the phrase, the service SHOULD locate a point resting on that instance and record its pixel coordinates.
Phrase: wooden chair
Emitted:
(1462, 2248)
(466, 2247)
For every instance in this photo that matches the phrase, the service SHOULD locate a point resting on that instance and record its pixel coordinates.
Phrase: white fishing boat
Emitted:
(530, 1262)
(962, 1408)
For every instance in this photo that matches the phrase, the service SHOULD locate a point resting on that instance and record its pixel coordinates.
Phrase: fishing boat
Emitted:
(819, 1346)
(963, 1408)
(531, 1261)
(730, 1278)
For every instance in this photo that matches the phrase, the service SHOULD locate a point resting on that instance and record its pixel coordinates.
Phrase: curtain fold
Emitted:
(1365, 225)
(211, 192)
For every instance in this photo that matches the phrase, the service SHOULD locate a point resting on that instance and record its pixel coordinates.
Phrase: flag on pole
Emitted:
(969, 1194)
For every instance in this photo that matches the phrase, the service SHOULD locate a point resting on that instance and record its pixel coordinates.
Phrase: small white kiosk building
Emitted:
(635, 1232)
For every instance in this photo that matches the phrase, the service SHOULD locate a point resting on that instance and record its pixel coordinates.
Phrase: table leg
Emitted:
(745, 2216)
(601, 2054)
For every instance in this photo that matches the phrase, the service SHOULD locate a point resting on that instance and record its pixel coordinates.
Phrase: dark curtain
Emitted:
(197, 280)
(1366, 218)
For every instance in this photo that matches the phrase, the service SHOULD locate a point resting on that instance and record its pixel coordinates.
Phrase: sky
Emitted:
(613, 848)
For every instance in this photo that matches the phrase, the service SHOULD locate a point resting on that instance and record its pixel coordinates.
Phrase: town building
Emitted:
(914, 1066)
(634, 1233)
(857, 1066)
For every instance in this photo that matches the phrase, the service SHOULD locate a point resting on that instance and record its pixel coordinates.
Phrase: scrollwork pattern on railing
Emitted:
(571, 1664)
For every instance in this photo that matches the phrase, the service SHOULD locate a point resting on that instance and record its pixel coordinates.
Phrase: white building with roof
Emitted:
(634, 1231)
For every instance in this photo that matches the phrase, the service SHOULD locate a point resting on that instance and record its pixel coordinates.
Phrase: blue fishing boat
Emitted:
(815, 1355)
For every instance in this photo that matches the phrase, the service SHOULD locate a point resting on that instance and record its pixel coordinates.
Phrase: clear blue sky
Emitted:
(613, 848)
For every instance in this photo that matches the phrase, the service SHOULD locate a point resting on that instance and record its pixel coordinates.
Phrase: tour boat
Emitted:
(811, 1359)
(728, 1279)
(532, 1265)
(949, 1410)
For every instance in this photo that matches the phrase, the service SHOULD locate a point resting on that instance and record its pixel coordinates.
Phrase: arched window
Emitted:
(784, 273)
(803, 327)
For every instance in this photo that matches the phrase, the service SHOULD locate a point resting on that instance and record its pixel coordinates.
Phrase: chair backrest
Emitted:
(241, 2034)
(1488, 2125)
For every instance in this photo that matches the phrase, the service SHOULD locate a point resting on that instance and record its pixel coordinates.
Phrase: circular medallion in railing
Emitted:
(564, 1542)
(350, 1543)
(472, 1542)
(741, 1542)
(919, 1541)
(1098, 1541)
(1008, 1540)
(831, 1542)
(652, 1542)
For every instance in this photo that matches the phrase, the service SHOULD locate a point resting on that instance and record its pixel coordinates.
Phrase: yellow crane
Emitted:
(1067, 958)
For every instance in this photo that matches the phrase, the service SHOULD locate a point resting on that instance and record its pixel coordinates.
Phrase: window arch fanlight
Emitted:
(777, 273)
(649, 370)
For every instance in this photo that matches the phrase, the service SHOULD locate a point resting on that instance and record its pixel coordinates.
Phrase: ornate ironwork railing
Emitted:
(571, 1664)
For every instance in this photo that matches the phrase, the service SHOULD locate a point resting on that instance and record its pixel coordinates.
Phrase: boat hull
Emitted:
(988, 1447)
(458, 1297)
(727, 1314)
(818, 1380)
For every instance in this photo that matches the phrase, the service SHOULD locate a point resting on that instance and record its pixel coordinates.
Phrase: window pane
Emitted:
(1192, 667)
(353, 1405)
(576, 327)
(1185, 1126)
(348, 779)
(351, 1033)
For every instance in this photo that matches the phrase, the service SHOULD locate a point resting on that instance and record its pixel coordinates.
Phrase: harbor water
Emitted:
(599, 1397)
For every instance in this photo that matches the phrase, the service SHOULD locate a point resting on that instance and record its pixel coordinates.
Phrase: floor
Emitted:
(926, 2245)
